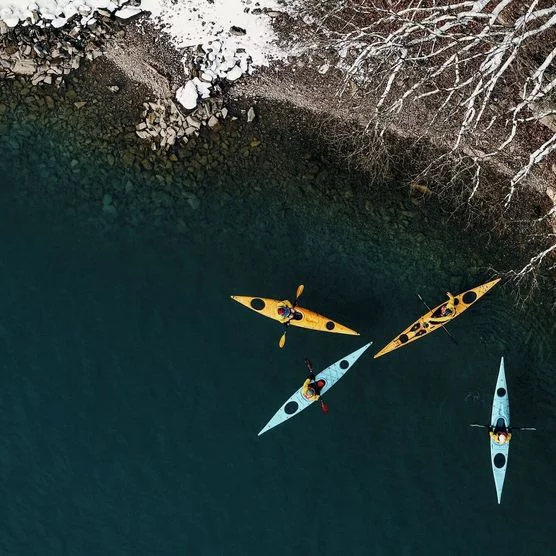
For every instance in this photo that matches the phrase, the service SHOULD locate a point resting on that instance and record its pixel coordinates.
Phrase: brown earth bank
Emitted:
(144, 66)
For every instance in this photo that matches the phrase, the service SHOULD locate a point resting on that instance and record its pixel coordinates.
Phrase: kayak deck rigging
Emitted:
(431, 321)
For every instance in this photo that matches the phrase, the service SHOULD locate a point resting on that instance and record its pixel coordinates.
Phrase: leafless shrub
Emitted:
(476, 77)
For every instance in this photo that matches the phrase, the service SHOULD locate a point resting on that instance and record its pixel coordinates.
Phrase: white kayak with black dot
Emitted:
(500, 418)
(298, 402)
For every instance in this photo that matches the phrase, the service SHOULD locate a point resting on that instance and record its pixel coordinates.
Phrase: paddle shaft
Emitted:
(512, 428)
(443, 327)
(298, 293)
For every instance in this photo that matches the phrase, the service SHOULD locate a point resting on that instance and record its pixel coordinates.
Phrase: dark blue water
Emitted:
(133, 388)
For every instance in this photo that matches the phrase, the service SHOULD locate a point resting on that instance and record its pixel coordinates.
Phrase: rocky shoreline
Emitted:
(45, 55)
(140, 74)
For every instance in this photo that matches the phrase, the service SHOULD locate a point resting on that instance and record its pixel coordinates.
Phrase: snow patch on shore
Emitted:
(57, 12)
(188, 22)
(235, 35)
(194, 22)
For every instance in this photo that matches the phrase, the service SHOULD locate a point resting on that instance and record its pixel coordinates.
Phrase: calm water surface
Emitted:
(133, 388)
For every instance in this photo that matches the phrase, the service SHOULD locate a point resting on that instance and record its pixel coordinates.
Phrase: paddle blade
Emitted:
(282, 341)
(324, 407)
(298, 293)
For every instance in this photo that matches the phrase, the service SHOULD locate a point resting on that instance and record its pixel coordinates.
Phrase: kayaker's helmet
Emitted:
(282, 311)
(310, 392)
(501, 438)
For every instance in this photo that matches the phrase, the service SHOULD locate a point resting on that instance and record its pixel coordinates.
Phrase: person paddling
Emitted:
(446, 311)
(286, 311)
(500, 435)
(312, 387)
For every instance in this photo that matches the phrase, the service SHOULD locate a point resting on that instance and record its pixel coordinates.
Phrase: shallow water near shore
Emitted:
(134, 388)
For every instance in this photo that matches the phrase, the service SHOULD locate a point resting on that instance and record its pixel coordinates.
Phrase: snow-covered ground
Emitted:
(193, 22)
(236, 35)
(57, 12)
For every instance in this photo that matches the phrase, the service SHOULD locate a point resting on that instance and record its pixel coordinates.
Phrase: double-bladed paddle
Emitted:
(298, 293)
(513, 428)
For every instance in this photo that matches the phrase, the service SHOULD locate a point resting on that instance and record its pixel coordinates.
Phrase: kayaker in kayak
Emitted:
(446, 311)
(311, 388)
(500, 435)
(285, 311)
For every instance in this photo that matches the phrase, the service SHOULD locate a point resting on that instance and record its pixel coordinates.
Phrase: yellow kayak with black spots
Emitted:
(304, 318)
(433, 320)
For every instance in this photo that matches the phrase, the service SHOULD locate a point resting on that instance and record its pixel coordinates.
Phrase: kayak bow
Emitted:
(298, 402)
(304, 317)
(427, 323)
(500, 417)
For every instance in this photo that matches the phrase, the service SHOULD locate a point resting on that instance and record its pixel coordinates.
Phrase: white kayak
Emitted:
(501, 418)
(298, 402)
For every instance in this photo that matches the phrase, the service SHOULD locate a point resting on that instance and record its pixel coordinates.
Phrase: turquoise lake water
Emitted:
(133, 388)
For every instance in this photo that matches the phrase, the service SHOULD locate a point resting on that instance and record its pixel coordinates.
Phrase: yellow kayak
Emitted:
(302, 318)
(432, 320)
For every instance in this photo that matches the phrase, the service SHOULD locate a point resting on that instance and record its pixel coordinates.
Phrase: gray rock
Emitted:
(237, 31)
(194, 201)
(250, 114)
(24, 67)
(39, 50)
(193, 122)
